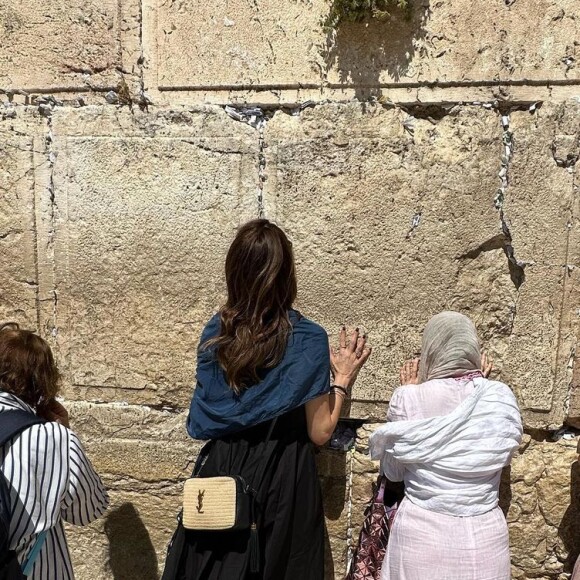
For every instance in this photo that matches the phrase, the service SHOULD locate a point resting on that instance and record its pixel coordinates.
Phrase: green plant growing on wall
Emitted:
(357, 10)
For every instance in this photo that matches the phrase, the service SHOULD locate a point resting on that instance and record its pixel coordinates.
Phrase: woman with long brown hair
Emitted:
(263, 396)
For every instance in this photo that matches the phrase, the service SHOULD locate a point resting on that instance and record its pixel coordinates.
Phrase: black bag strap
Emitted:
(14, 422)
(263, 465)
(260, 471)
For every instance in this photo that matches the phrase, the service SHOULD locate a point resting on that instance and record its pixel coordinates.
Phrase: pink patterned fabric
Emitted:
(374, 535)
(368, 557)
(469, 376)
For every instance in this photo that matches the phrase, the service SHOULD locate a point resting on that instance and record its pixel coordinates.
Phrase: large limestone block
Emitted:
(66, 45)
(544, 508)
(143, 456)
(540, 214)
(266, 50)
(228, 43)
(98, 422)
(146, 208)
(135, 443)
(21, 156)
(540, 197)
(392, 219)
(439, 43)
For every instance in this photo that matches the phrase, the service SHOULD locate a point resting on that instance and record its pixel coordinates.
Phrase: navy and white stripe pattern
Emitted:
(51, 480)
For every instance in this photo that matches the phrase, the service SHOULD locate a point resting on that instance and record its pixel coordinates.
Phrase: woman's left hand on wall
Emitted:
(347, 360)
(409, 373)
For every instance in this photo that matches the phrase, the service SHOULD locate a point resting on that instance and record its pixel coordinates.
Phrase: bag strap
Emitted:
(28, 564)
(14, 422)
(259, 473)
(263, 465)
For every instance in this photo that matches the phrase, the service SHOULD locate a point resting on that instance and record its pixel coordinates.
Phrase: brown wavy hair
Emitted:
(27, 367)
(261, 283)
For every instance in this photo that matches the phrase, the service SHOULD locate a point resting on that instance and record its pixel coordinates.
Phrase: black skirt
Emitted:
(289, 502)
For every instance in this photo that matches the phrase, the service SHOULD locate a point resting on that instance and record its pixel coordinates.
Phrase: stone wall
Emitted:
(416, 164)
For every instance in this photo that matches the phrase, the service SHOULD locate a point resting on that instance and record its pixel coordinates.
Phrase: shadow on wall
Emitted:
(361, 51)
(131, 553)
(568, 530)
(505, 490)
(332, 468)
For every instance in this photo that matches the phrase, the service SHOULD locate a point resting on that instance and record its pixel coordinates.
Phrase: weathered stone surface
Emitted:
(284, 51)
(114, 225)
(21, 150)
(128, 442)
(130, 542)
(243, 43)
(144, 456)
(438, 44)
(65, 45)
(544, 508)
(539, 212)
(397, 212)
(146, 208)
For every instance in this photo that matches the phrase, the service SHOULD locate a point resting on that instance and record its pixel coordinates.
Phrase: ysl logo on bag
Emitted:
(200, 501)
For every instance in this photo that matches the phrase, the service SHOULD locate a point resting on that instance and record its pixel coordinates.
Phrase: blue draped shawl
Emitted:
(302, 375)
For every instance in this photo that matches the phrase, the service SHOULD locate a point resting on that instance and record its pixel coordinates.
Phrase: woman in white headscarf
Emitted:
(450, 433)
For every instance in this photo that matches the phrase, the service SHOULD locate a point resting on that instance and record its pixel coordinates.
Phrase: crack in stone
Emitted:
(516, 268)
(10, 234)
(428, 112)
(496, 243)
(350, 528)
(85, 69)
(53, 210)
(204, 147)
(255, 117)
(166, 406)
(261, 170)
(144, 99)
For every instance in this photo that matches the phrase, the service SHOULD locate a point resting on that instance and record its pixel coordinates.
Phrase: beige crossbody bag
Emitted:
(225, 503)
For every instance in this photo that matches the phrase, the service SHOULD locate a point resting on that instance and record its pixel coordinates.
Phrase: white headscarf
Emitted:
(450, 347)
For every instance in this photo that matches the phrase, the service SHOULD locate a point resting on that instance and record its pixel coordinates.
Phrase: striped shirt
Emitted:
(50, 480)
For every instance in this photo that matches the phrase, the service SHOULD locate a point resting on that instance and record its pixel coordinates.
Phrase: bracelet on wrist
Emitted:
(337, 389)
(337, 394)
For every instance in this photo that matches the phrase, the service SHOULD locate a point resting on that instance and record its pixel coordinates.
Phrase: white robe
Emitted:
(451, 464)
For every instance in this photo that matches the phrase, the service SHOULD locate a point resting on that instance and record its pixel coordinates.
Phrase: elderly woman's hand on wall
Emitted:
(409, 373)
(486, 365)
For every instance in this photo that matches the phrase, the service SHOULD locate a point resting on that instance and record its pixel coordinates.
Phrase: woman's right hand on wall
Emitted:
(347, 360)
(486, 365)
